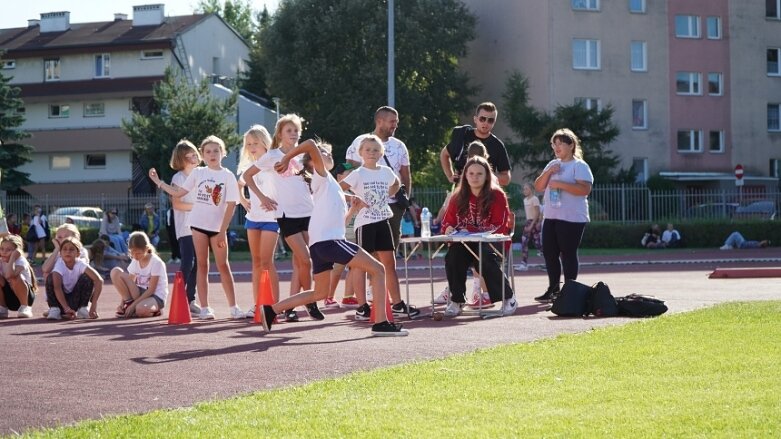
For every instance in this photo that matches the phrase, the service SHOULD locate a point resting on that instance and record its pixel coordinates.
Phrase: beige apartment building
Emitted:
(695, 84)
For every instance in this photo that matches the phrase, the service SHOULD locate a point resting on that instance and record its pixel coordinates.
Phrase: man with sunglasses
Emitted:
(454, 155)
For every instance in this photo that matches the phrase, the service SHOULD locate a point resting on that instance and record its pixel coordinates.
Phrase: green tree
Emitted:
(186, 112)
(237, 13)
(534, 127)
(254, 78)
(327, 61)
(13, 153)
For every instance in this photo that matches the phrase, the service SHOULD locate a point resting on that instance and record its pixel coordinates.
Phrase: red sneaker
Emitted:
(350, 302)
(484, 298)
(329, 302)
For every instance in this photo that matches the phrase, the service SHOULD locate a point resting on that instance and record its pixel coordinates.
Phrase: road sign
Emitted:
(738, 175)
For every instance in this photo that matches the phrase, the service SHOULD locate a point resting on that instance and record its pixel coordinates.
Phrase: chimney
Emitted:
(120, 17)
(55, 21)
(33, 22)
(148, 15)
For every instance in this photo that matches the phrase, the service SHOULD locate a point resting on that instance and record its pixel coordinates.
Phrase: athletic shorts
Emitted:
(326, 253)
(12, 302)
(208, 233)
(375, 237)
(291, 226)
(263, 226)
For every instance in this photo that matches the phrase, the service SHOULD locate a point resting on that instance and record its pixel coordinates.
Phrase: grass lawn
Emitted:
(708, 373)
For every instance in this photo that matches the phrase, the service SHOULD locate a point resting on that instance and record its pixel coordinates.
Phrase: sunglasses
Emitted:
(484, 118)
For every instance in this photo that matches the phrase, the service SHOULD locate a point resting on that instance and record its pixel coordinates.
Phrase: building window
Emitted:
(151, 54)
(585, 54)
(715, 84)
(688, 83)
(51, 68)
(772, 62)
(687, 26)
(639, 58)
(713, 28)
(59, 111)
(640, 166)
(639, 114)
(94, 161)
(94, 109)
(775, 168)
(637, 6)
(9, 64)
(716, 141)
(589, 103)
(59, 162)
(690, 141)
(585, 5)
(102, 65)
(773, 111)
(773, 9)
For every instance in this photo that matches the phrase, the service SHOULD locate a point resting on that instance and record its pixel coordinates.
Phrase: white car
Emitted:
(83, 217)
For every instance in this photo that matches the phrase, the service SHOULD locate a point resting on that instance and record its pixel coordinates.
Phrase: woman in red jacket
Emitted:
(478, 205)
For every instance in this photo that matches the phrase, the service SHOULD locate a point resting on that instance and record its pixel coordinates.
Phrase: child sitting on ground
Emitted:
(144, 287)
(17, 278)
(72, 284)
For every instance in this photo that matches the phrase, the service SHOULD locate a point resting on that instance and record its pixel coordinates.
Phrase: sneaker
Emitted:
(314, 311)
(269, 317)
(725, 247)
(521, 267)
(481, 301)
(4, 312)
(444, 297)
(195, 310)
(350, 302)
(206, 313)
(55, 313)
(401, 309)
(291, 316)
(388, 329)
(363, 313)
(329, 302)
(250, 314)
(453, 309)
(509, 307)
(25, 312)
(548, 296)
(237, 313)
(82, 313)
(369, 295)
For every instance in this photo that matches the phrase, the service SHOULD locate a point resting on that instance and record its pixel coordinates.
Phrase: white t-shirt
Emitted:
(155, 267)
(25, 272)
(528, 207)
(214, 189)
(372, 185)
(293, 197)
(574, 208)
(182, 217)
(38, 221)
(395, 151)
(70, 276)
(330, 208)
(265, 181)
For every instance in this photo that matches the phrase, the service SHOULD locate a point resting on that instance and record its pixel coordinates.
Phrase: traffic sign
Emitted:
(738, 175)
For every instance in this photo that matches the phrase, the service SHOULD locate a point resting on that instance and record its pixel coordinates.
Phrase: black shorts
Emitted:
(12, 302)
(375, 237)
(208, 233)
(326, 253)
(291, 226)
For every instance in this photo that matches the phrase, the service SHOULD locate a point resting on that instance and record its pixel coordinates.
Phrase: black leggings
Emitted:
(560, 242)
(459, 259)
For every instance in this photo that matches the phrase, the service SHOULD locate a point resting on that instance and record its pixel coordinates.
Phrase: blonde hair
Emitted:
(139, 241)
(17, 242)
(371, 138)
(565, 135)
(284, 120)
(72, 229)
(179, 154)
(73, 241)
(216, 140)
(260, 133)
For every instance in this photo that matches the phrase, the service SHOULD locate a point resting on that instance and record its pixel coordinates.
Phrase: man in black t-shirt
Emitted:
(454, 155)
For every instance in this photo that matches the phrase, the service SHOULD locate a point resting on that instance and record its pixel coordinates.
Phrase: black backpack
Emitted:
(572, 301)
(600, 302)
(637, 305)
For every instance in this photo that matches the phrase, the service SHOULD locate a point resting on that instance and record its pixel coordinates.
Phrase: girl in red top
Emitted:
(478, 205)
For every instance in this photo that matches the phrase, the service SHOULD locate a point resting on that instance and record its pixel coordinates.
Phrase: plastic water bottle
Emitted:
(425, 223)
(555, 198)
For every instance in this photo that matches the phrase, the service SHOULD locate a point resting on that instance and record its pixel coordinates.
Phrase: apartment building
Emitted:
(692, 93)
(78, 82)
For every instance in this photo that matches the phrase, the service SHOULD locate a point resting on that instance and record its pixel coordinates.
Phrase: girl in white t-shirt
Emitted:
(17, 279)
(261, 224)
(144, 287)
(184, 158)
(216, 195)
(533, 226)
(63, 231)
(73, 284)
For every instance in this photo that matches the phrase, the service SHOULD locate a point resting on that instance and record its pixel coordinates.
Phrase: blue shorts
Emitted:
(326, 253)
(268, 226)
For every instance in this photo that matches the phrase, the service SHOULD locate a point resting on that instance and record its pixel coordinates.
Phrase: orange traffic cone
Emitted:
(264, 296)
(388, 310)
(179, 312)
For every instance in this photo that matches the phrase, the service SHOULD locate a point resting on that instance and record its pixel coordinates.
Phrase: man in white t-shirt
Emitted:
(386, 120)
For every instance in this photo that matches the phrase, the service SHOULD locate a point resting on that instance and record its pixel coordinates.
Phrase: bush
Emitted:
(697, 234)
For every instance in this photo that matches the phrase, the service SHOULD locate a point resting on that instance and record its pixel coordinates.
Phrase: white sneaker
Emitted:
(238, 314)
(206, 313)
(250, 314)
(453, 309)
(195, 310)
(444, 296)
(4, 312)
(24, 312)
(54, 313)
(82, 313)
(509, 307)
(369, 295)
(726, 247)
(521, 267)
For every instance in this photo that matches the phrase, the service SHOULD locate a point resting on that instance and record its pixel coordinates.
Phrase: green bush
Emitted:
(695, 234)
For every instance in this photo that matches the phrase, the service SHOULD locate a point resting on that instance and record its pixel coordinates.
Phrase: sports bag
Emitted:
(572, 300)
(638, 305)
(601, 302)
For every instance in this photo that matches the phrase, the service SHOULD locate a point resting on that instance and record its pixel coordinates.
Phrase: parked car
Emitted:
(757, 210)
(711, 211)
(83, 217)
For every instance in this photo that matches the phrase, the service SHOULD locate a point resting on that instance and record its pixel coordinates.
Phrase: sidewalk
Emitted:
(60, 372)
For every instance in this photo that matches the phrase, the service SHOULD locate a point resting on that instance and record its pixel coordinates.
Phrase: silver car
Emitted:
(83, 217)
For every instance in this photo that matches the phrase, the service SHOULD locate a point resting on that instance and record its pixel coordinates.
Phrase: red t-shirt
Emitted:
(474, 221)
